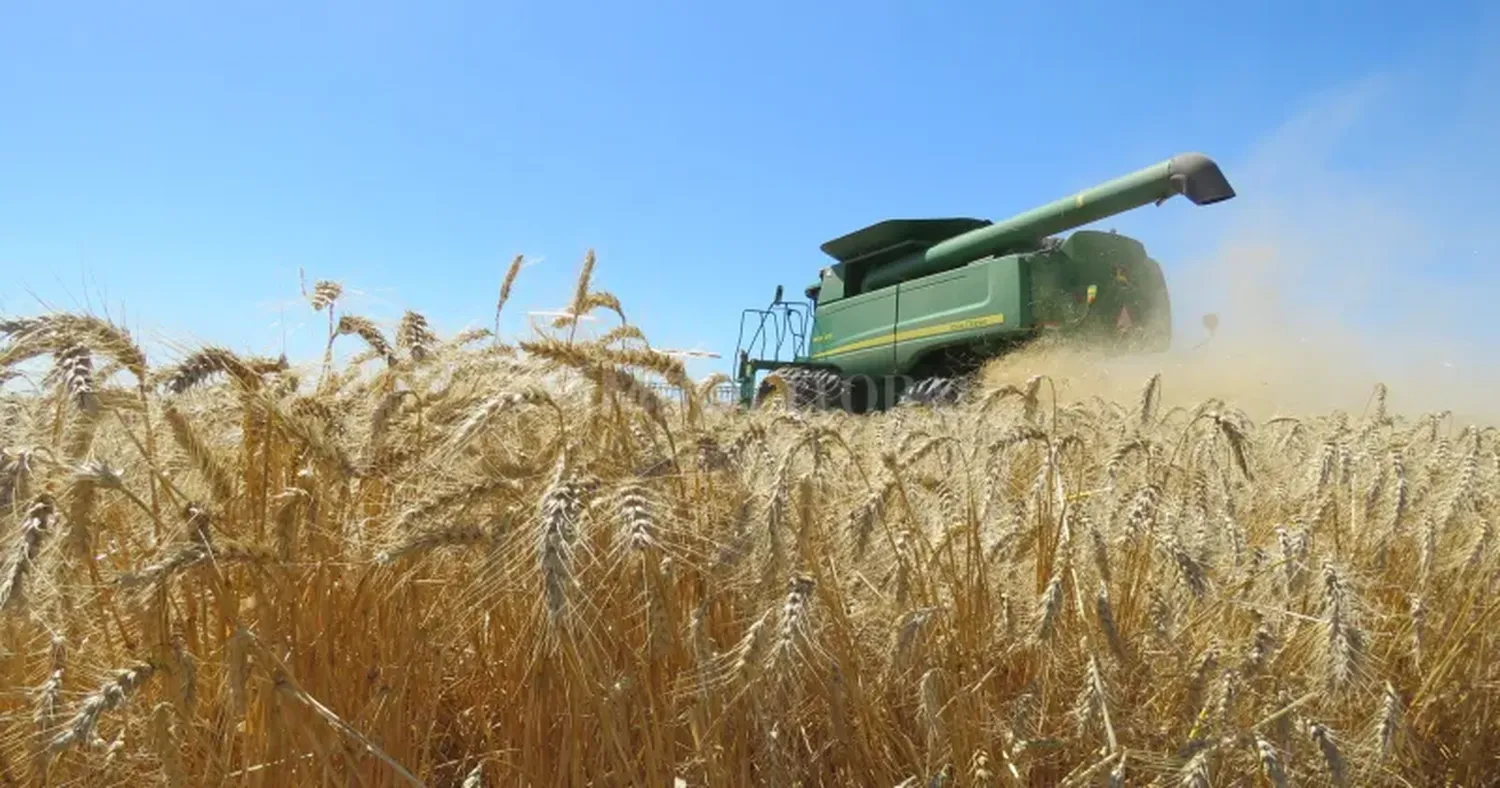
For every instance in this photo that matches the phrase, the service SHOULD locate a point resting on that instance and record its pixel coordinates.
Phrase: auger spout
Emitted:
(1192, 175)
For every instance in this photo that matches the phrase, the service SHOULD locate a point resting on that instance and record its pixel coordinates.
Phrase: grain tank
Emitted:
(909, 307)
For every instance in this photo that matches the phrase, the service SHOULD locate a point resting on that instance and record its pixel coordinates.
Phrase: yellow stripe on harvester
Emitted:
(850, 347)
(954, 326)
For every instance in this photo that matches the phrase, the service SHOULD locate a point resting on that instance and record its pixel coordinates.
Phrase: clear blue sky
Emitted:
(178, 162)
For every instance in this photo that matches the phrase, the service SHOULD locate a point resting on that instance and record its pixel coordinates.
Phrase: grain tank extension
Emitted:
(910, 307)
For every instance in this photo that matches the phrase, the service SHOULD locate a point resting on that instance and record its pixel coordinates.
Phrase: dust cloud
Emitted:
(1358, 251)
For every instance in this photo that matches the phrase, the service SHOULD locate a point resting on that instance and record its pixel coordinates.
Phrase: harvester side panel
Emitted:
(978, 302)
(855, 334)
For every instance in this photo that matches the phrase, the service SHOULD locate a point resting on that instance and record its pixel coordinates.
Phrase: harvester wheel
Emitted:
(935, 391)
(801, 387)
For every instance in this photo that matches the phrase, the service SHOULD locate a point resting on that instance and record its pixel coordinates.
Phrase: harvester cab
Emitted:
(910, 308)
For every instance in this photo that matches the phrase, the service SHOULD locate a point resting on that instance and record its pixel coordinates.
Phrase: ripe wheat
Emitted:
(458, 562)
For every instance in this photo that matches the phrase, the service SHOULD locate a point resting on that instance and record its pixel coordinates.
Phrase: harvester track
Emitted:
(935, 391)
(819, 389)
(803, 387)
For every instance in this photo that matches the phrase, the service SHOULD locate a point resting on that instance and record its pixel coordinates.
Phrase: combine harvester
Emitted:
(911, 308)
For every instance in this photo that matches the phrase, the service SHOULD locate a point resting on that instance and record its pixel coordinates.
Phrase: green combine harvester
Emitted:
(911, 308)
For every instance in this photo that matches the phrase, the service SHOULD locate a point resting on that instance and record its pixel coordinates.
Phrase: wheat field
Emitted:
(473, 561)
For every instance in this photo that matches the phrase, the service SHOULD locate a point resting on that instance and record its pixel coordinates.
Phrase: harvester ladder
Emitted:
(781, 324)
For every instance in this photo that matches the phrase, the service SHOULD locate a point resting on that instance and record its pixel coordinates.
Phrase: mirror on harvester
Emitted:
(1211, 322)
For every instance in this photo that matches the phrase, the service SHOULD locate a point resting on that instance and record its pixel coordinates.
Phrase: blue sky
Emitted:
(177, 163)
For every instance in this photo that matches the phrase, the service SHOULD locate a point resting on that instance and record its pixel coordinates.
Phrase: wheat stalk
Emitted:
(540, 569)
